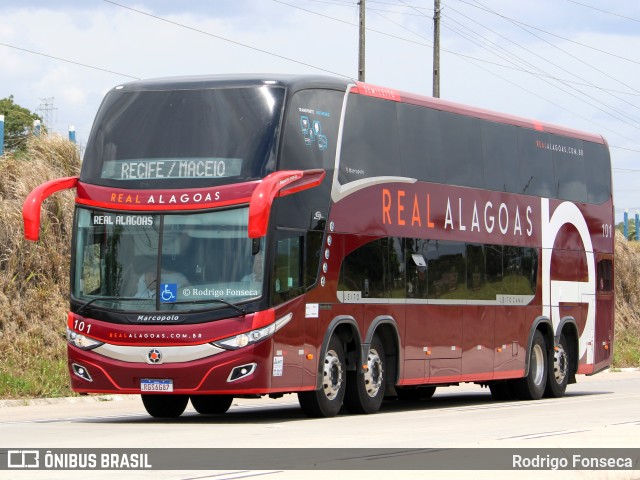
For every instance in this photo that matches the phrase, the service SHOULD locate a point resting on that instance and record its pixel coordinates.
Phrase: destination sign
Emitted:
(132, 220)
(159, 169)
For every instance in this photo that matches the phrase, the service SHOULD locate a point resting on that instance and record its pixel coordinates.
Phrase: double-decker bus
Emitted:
(242, 236)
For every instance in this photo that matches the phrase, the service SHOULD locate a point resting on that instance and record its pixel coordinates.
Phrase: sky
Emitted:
(574, 63)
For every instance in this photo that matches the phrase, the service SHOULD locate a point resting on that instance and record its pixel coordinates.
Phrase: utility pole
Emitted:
(361, 43)
(436, 48)
(46, 109)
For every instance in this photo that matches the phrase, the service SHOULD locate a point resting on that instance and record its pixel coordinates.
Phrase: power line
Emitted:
(69, 61)
(608, 108)
(529, 51)
(604, 11)
(529, 91)
(555, 46)
(566, 39)
(219, 37)
(346, 22)
(495, 47)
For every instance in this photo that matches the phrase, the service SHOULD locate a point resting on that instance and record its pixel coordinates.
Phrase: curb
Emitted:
(28, 402)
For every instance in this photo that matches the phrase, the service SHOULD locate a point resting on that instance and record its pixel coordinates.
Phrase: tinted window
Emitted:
(598, 172)
(309, 142)
(421, 143)
(374, 269)
(416, 267)
(500, 155)
(287, 279)
(476, 267)
(370, 139)
(519, 266)
(568, 162)
(605, 276)
(462, 149)
(536, 165)
(153, 139)
(311, 130)
(431, 269)
(446, 270)
(443, 147)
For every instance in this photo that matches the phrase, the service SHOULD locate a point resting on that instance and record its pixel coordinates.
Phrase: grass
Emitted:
(34, 278)
(626, 350)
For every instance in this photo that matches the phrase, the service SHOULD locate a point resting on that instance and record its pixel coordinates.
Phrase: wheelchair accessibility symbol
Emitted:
(168, 292)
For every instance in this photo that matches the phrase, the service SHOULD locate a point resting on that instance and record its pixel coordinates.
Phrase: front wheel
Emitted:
(533, 385)
(165, 406)
(365, 391)
(211, 404)
(558, 376)
(327, 401)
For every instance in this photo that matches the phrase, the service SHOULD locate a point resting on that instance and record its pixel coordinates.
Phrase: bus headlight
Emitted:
(244, 339)
(81, 341)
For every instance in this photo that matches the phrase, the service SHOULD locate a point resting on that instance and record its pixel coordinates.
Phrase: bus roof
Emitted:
(447, 106)
(301, 82)
(295, 82)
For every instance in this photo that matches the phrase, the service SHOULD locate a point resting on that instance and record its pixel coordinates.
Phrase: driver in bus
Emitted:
(147, 283)
(256, 271)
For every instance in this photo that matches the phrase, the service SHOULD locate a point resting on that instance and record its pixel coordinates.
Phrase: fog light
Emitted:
(81, 372)
(241, 372)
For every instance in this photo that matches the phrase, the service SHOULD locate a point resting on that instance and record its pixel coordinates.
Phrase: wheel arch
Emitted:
(386, 328)
(569, 327)
(545, 326)
(346, 328)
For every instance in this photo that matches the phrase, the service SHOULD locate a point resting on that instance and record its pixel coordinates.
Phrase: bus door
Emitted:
(604, 311)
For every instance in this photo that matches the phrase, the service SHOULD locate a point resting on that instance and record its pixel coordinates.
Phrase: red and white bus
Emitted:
(250, 236)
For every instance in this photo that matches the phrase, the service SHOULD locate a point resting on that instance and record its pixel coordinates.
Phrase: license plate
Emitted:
(156, 385)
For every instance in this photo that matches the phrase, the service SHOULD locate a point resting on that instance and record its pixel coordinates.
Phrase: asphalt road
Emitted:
(601, 412)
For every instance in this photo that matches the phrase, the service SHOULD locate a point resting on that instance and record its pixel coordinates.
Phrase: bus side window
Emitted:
(287, 277)
(605, 274)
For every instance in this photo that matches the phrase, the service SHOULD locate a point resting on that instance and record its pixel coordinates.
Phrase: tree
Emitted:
(18, 122)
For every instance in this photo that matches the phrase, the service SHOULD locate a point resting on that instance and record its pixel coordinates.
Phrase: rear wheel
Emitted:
(165, 406)
(211, 404)
(559, 370)
(533, 385)
(365, 391)
(327, 401)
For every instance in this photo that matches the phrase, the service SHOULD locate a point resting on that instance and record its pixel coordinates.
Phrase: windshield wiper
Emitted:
(238, 309)
(83, 307)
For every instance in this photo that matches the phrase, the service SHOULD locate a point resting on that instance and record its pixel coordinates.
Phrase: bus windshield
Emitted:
(183, 138)
(165, 262)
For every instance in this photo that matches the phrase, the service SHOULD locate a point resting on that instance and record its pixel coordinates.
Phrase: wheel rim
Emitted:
(332, 375)
(537, 364)
(560, 364)
(373, 374)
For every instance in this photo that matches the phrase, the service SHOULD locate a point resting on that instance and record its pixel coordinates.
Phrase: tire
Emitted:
(211, 404)
(559, 370)
(327, 401)
(532, 386)
(165, 406)
(409, 394)
(365, 390)
(501, 391)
